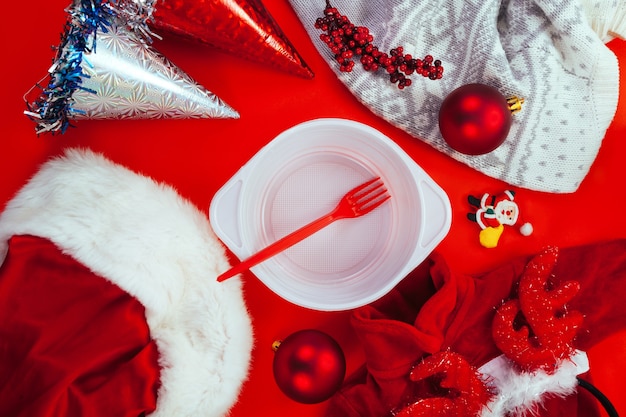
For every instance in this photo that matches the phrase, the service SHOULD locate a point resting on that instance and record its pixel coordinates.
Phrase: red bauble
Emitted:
(309, 366)
(475, 119)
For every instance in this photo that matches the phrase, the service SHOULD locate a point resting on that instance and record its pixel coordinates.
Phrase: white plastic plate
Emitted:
(300, 176)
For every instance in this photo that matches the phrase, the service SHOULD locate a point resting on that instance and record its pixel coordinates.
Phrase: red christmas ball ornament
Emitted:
(475, 119)
(309, 366)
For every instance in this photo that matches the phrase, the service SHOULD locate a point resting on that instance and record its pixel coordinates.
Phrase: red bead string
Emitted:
(347, 41)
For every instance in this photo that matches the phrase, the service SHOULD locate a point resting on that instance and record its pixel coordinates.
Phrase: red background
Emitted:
(199, 156)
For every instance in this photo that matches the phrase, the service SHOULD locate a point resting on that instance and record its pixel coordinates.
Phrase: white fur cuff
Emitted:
(145, 238)
(517, 392)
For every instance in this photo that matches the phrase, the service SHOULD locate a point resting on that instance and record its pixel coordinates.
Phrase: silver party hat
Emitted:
(106, 69)
(126, 78)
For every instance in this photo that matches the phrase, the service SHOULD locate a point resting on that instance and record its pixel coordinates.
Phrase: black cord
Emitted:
(606, 404)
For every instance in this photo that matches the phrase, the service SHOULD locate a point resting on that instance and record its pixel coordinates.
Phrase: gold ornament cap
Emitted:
(515, 104)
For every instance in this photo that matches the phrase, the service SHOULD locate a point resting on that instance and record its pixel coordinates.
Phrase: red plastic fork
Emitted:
(357, 202)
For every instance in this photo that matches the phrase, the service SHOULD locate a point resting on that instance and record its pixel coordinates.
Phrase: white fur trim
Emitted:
(159, 248)
(518, 391)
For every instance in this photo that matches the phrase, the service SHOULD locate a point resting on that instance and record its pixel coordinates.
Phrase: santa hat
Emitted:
(108, 299)
(521, 48)
(437, 313)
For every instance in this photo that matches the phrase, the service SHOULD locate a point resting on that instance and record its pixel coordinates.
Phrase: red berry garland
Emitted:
(346, 41)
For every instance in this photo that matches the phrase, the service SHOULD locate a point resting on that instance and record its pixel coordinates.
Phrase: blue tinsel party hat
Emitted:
(105, 68)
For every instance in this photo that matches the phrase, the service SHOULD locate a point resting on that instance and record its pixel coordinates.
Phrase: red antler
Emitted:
(467, 393)
(536, 331)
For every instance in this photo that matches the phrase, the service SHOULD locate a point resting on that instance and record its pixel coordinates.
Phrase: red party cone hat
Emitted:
(244, 27)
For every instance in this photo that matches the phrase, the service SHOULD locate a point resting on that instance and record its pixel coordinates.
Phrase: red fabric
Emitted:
(71, 343)
(435, 309)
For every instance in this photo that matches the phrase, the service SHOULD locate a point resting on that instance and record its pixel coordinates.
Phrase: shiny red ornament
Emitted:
(309, 366)
(241, 27)
(475, 119)
(536, 330)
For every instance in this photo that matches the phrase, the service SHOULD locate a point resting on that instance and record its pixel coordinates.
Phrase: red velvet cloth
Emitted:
(435, 309)
(71, 343)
